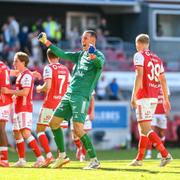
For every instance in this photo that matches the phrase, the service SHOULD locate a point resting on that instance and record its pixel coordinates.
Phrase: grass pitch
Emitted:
(115, 169)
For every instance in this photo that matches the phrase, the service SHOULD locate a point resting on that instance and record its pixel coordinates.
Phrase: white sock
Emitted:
(40, 158)
(49, 155)
(149, 152)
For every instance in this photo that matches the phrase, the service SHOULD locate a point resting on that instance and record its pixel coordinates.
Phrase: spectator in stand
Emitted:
(23, 38)
(51, 28)
(114, 90)
(101, 89)
(37, 27)
(74, 38)
(13, 28)
(101, 40)
(104, 27)
(6, 33)
(1, 46)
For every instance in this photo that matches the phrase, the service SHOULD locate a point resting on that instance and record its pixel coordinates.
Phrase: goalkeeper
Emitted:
(89, 62)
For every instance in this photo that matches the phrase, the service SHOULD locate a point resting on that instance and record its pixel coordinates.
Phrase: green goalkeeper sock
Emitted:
(88, 146)
(59, 138)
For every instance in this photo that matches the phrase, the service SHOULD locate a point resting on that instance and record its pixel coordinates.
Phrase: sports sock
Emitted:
(34, 146)
(44, 142)
(59, 139)
(77, 142)
(4, 154)
(156, 141)
(149, 145)
(20, 145)
(142, 147)
(83, 150)
(88, 146)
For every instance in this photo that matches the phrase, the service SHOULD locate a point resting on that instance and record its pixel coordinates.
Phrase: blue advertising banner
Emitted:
(111, 115)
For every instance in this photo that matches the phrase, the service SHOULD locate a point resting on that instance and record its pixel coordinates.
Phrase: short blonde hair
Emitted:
(23, 57)
(143, 38)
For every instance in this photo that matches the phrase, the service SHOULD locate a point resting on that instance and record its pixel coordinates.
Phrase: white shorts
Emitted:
(87, 124)
(159, 120)
(5, 112)
(146, 108)
(22, 120)
(45, 117)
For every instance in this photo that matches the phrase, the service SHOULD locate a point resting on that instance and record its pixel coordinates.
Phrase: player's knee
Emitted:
(26, 134)
(53, 124)
(78, 130)
(17, 135)
(2, 125)
(40, 128)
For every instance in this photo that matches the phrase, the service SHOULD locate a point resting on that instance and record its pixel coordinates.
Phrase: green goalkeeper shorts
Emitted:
(72, 105)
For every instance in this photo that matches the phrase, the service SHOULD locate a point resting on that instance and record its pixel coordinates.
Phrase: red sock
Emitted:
(156, 141)
(78, 143)
(83, 150)
(44, 142)
(149, 145)
(4, 153)
(142, 147)
(20, 145)
(34, 146)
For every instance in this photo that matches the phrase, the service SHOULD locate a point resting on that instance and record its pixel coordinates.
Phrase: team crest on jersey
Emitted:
(54, 66)
(147, 53)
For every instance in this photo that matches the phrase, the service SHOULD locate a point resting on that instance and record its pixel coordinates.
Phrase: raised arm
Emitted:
(72, 56)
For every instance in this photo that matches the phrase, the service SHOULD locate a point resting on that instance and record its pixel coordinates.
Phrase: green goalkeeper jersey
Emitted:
(87, 72)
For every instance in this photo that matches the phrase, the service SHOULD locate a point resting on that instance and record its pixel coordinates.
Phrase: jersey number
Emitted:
(62, 78)
(155, 71)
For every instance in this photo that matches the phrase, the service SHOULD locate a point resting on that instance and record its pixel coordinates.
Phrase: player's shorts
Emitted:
(45, 117)
(159, 120)
(22, 120)
(73, 105)
(5, 112)
(145, 109)
(87, 124)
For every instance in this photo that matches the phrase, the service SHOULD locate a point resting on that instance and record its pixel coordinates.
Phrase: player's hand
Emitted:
(133, 103)
(42, 37)
(91, 51)
(91, 116)
(5, 90)
(167, 106)
(37, 75)
(38, 88)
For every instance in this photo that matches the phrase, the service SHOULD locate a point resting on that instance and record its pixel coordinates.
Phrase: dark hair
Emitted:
(23, 57)
(50, 54)
(93, 33)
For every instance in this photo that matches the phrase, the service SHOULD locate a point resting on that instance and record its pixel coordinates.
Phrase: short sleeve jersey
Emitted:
(24, 103)
(5, 99)
(152, 68)
(59, 74)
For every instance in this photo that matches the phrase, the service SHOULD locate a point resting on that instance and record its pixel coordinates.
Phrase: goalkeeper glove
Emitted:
(91, 50)
(42, 37)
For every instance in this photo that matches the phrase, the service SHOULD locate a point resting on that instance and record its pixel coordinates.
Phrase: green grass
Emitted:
(113, 166)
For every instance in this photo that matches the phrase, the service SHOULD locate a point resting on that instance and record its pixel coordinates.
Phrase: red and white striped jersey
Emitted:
(5, 99)
(24, 103)
(152, 68)
(59, 74)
